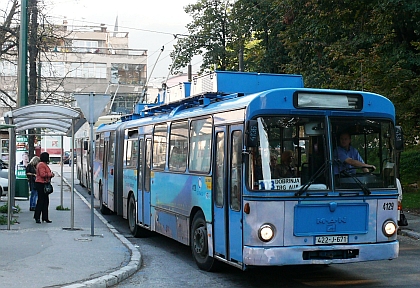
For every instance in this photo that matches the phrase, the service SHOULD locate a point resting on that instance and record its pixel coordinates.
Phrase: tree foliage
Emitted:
(346, 44)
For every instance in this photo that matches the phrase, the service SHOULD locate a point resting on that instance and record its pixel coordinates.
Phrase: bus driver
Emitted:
(348, 157)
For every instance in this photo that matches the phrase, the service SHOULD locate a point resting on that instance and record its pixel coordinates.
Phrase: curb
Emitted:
(410, 233)
(119, 275)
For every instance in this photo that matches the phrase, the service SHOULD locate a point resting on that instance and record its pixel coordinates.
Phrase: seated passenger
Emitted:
(287, 168)
(274, 167)
(348, 157)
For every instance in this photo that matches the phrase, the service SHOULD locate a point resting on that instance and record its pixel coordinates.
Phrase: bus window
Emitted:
(236, 171)
(111, 148)
(134, 154)
(200, 145)
(178, 146)
(98, 151)
(140, 167)
(373, 142)
(147, 172)
(127, 153)
(159, 147)
(219, 175)
(289, 151)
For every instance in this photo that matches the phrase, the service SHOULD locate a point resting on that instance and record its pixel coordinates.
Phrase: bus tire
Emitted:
(135, 230)
(199, 243)
(104, 210)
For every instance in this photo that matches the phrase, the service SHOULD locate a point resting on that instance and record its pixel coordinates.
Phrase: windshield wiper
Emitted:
(364, 188)
(312, 179)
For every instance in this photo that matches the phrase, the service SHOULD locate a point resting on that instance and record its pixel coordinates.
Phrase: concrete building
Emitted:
(86, 59)
(83, 60)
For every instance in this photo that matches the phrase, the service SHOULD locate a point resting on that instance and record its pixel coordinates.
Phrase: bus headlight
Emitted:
(266, 232)
(389, 228)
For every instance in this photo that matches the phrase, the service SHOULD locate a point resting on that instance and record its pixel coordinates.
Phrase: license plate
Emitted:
(340, 239)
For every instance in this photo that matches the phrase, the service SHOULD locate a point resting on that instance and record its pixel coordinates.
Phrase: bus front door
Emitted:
(103, 197)
(143, 199)
(227, 191)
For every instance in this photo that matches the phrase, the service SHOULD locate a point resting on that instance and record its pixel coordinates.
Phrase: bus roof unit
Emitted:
(228, 82)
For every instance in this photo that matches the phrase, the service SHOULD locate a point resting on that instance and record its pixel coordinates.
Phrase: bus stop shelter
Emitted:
(60, 120)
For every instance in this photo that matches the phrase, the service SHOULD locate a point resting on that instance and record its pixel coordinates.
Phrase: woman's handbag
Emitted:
(48, 188)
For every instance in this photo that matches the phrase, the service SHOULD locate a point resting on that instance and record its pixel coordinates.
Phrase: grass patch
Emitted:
(61, 208)
(3, 209)
(411, 199)
(3, 220)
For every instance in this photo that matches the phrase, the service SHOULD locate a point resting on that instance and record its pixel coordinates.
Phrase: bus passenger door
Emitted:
(227, 204)
(143, 178)
(104, 195)
(110, 173)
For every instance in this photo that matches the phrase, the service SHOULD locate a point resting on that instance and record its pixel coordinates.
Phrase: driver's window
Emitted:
(363, 153)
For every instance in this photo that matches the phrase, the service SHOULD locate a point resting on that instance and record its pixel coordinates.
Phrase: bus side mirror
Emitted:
(251, 139)
(85, 145)
(399, 139)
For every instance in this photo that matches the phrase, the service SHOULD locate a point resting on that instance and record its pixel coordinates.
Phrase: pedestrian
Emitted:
(43, 175)
(31, 174)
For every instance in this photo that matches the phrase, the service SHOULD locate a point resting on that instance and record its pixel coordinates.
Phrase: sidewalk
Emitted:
(54, 255)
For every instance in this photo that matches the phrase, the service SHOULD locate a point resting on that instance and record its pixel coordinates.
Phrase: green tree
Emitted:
(209, 35)
(359, 45)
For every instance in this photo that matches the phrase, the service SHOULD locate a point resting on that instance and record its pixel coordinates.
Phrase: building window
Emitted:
(134, 74)
(88, 70)
(84, 46)
(52, 69)
(8, 68)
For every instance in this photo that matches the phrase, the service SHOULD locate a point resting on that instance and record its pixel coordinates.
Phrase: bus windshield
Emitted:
(292, 152)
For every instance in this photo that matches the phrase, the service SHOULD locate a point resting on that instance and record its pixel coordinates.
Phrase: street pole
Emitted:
(23, 56)
(91, 122)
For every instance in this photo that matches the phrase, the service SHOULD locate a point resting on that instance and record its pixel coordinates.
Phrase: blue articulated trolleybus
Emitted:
(204, 170)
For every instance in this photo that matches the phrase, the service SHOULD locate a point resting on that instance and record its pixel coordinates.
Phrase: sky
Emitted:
(151, 24)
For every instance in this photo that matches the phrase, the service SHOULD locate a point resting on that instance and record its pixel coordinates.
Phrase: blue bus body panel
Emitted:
(129, 184)
(331, 218)
(178, 193)
(130, 180)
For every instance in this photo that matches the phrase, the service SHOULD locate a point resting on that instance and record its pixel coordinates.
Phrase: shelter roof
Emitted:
(48, 116)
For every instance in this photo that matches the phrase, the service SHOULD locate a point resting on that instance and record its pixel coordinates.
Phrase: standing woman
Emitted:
(43, 175)
(31, 174)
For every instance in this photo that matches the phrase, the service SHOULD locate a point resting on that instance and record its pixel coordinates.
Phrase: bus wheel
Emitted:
(135, 230)
(199, 243)
(104, 210)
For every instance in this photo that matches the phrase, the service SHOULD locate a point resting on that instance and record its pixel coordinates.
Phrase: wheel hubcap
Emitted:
(199, 236)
